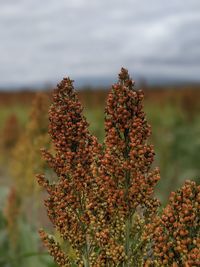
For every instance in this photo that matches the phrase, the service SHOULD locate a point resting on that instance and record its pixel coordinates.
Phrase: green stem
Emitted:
(86, 255)
(86, 247)
(129, 219)
(127, 239)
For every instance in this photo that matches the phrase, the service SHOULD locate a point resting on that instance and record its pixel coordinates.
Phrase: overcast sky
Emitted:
(43, 40)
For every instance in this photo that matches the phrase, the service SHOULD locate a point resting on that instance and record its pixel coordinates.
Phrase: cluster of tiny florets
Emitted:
(54, 250)
(124, 183)
(100, 189)
(128, 157)
(102, 200)
(176, 233)
(75, 150)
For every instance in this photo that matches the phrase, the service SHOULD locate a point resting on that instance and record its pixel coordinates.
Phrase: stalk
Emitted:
(86, 255)
(127, 239)
(127, 184)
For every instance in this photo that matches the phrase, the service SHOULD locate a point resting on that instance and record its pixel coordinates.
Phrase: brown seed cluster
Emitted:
(176, 233)
(102, 201)
(103, 192)
(54, 250)
(128, 157)
(76, 150)
(124, 182)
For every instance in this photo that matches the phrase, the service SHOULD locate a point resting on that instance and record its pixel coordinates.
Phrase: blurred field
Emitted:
(174, 114)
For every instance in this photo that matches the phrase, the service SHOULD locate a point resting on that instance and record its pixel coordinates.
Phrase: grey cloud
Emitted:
(45, 40)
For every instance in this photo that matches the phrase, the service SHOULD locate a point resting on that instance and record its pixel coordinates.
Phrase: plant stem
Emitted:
(127, 184)
(86, 255)
(127, 239)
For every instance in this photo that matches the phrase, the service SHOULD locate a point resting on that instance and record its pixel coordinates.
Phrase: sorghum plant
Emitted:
(11, 213)
(175, 234)
(9, 136)
(103, 195)
(25, 163)
(76, 150)
(123, 196)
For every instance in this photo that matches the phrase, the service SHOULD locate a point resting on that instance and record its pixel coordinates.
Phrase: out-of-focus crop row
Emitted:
(175, 119)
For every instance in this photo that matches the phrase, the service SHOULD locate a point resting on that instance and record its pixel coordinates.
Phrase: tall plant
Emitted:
(25, 162)
(101, 201)
(9, 137)
(175, 234)
(103, 195)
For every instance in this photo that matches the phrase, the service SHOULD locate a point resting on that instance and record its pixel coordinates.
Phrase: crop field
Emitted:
(174, 115)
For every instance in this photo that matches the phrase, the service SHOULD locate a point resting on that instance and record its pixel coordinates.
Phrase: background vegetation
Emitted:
(173, 112)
